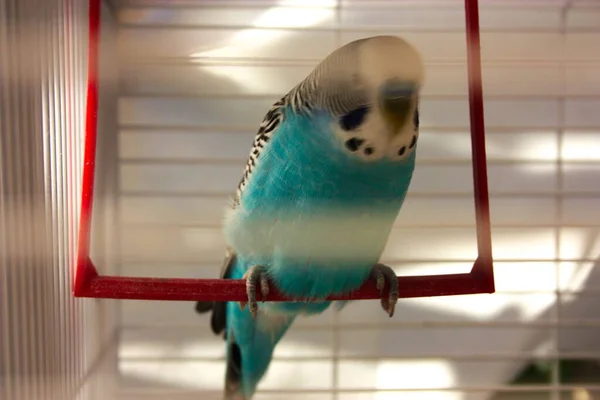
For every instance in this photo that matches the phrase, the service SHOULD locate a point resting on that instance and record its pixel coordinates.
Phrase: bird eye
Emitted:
(353, 119)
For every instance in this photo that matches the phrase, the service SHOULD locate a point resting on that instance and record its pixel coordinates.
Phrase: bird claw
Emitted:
(382, 273)
(255, 275)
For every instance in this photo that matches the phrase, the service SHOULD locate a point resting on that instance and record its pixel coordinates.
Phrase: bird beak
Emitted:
(396, 105)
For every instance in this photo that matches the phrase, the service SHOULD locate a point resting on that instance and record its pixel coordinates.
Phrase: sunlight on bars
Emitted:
(410, 374)
(245, 41)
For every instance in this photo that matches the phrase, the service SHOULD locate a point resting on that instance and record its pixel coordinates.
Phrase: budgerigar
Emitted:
(325, 180)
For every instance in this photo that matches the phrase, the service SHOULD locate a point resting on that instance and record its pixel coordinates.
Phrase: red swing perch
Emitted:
(88, 283)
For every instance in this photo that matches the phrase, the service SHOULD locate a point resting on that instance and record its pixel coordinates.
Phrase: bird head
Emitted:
(370, 88)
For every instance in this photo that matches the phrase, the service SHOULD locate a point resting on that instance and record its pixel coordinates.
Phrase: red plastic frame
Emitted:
(87, 282)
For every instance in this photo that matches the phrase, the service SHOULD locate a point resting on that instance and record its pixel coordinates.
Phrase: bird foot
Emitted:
(382, 273)
(255, 276)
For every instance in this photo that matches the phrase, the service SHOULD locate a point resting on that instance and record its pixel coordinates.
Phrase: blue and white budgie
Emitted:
(327, 175)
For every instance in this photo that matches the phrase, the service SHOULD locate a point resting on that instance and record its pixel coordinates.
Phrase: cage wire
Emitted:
(171, 151)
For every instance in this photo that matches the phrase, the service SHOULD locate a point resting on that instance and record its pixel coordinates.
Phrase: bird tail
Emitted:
(250, 346)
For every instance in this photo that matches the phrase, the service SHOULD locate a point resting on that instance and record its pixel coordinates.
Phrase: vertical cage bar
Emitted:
(42, 339)
(556, 393)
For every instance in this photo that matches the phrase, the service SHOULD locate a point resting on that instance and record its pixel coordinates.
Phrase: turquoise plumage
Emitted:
(326, 178)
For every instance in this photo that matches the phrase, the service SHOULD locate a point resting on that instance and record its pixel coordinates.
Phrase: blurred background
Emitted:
(184, 85)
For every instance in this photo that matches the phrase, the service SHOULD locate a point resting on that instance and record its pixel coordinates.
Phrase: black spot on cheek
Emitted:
(402, 150)
(413, 142)
(353, 119)
(368, 150)
(354, 143)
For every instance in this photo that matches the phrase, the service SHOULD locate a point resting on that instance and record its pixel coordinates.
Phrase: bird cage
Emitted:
(118, 159)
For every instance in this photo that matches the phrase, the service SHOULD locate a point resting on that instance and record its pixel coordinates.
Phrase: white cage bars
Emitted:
(195, 79)
(50, 343)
